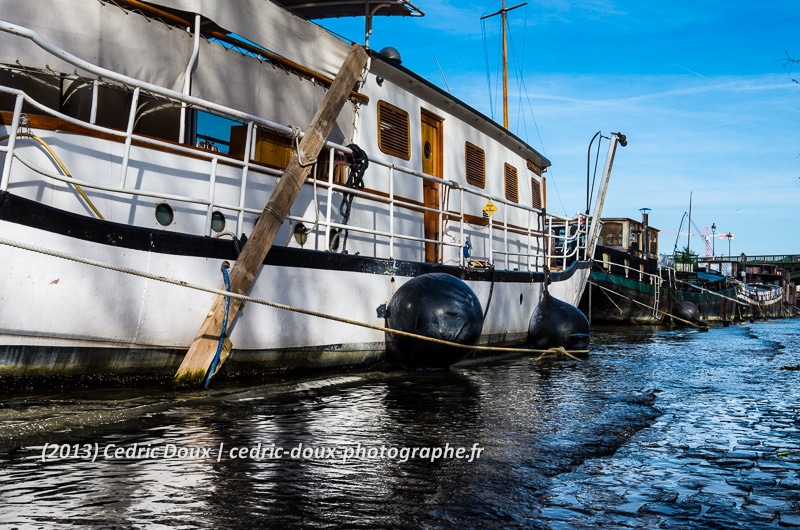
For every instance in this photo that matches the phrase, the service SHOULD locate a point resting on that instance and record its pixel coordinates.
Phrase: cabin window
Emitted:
(634, 238)
(73, 96)
(394, 136)
(217, 221)
(511, 184)
(611, 234)
(475, 161)
(341, 168)
(271, 149)
(164, 214)
(536, 194)
(533, 167)
(154, 117)
(606, 261)
(219, 134)
(652, 243)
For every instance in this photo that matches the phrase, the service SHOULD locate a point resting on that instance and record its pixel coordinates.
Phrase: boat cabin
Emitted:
(629, 236)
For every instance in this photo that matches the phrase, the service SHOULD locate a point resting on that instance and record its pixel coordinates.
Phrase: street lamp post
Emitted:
(729, 236)
(713, 243)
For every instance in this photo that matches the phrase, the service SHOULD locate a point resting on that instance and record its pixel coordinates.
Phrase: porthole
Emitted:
(520, 298)
(217, 221)
(164, 214)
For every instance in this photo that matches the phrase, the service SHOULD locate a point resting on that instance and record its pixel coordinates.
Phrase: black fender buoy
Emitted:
(435, 305)
(556, 323)
(685, 310)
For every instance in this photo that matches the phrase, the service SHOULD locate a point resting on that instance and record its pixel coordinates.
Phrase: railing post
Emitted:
(128, 137)
(187, 77)
(212, 180)
(505, 233)
(530, 236)
(461, 259)
(95, 94)
(12, 142)
(391, 211)
(247, 155)
(491, 240)
(329, 207)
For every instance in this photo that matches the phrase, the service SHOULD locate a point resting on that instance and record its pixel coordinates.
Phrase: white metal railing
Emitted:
(760, 293)
(538, 234)
(644, 277)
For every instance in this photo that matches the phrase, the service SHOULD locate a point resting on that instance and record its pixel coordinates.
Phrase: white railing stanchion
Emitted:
(329, 198)
(12, 142)
(212, 180)
(391, 212)
(249, 146)
(126, 156)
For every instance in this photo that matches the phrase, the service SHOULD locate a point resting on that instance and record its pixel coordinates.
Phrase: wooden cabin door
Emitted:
(431, 165)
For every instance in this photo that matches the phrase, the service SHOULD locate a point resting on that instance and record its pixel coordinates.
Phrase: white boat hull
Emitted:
(64, 317)
(136, 179)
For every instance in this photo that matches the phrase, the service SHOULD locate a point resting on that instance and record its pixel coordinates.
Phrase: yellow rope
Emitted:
(60, 164)
(560, 350)
(245, 298)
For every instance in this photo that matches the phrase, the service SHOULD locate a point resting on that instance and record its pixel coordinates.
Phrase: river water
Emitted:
(655, 428)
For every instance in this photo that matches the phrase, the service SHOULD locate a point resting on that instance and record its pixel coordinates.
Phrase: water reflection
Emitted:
(670, 428)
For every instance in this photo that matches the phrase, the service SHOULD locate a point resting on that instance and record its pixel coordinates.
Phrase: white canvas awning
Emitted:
(273, 28)
(351, 8)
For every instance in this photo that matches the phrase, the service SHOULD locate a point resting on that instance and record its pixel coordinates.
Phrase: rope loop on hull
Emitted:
(212, 371)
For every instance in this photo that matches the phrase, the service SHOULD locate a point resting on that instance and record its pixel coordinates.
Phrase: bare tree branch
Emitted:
(789, 62)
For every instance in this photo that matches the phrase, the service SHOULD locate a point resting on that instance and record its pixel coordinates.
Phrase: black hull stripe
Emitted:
(22, 211)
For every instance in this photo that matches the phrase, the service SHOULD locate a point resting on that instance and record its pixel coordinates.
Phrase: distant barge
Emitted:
(632, 284)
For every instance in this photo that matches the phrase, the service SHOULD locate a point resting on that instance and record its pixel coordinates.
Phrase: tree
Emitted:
(789, 62)
(685, 256)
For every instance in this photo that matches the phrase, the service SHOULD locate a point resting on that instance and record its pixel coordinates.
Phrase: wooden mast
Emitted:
(195, 366)
(504, 19)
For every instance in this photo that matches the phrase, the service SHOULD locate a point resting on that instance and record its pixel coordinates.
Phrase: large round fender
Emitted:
(435, 305)
(556, 323)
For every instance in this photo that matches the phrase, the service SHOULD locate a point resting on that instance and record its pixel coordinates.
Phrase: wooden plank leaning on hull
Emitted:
(194, 368)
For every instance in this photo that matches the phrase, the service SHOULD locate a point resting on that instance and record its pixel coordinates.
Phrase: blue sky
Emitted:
(699, 88)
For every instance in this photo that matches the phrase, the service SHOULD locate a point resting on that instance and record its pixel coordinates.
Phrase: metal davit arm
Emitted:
(594, 227)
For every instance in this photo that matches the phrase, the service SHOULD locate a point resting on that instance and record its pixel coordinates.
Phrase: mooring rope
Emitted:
(245, 298)
(355, 181)
(663, 313)
(214, 364)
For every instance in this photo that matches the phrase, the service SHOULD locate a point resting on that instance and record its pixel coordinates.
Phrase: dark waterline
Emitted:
(656, 428)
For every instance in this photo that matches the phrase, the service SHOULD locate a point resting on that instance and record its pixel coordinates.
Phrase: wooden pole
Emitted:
(194, 368)
(503, 17)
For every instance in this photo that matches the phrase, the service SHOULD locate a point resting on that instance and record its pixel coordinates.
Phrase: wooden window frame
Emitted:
(511, 182)
(536, 193)
(475, 165)
(394, 131)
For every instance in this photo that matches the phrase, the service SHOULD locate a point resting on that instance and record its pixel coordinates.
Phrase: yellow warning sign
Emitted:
(489, 209)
